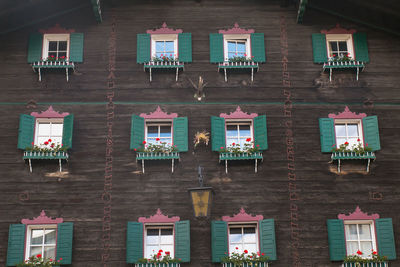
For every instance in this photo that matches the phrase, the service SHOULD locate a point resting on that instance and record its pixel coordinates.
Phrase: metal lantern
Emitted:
(201, 198)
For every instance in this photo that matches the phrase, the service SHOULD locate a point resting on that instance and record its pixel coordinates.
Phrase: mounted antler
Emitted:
(199, 88)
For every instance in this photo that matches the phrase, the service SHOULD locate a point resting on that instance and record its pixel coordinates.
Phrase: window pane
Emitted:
(169, 47)
(152, 131)
(241, 47)
(235, 235)
(160, 54)
(166, 231)
(352, 247)
(365, 231)
(352, 130)
(57, 140)
(333, 46)
(50, 236)
(160, 46)
(232, 47)
(53, 46)
(57, 129)
(37, 237)
(35, 250)
(366, 248)
(165, 131)
(232, 248)
(151, 250)
(351, 232)
(54, 54)
(44, 129)
(249, 238)
(41, 140)
(343, 46)
(231, 130)
(244, 130)
(340, 130)
(62, 54)
(169, 248)
(167, 236)
(152, 236)
(50, 252)
(62, 46)
(252, 248)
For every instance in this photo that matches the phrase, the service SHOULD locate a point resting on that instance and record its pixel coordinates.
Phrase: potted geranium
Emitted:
(243, 58)
(245, 259)
(159, 260)
(355, 148)
(247, 148)
(39, 261)
(47, 148)
(158, 147)
(373, 260)
(341, 58)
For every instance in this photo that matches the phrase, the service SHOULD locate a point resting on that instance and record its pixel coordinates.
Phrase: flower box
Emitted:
(45, 155)
(352, 64)
(369, 264)
(156, 155)
(238, 65)
(240, 156)
(157, 265)
(53, 65)
(164, 65)
(245, 264)
(352, 155)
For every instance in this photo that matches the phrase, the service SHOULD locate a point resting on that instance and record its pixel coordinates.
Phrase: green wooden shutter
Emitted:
(182, 241)
(143, 48)
(219, 240)
(76, 47)
(134, 242)
(185, 47)
(217, 133)
(260, 132)
(65, 233)
(16, 244)
(267, 238)
(26, 131)
(327, 134)
(258, 47)
(216, 48)
(371, 132)
(385, 236)
(361, 46)
(68, 127)
(35, 47)
(181, 133)
(137, 131)
(337, 244)
(319, 48)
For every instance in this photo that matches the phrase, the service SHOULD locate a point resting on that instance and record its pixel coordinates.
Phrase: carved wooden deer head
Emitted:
(199, 88)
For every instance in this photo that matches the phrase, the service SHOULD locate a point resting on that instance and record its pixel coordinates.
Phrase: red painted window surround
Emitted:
(159, 217)
(339, 30)
(56, 29)
(238, 114)
(164, 30)
(158, 114)
(49, 113)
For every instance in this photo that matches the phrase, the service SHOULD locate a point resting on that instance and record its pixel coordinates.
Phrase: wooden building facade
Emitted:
(295, 199)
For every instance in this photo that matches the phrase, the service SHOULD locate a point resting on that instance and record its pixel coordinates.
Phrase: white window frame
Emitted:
(164, 37)
(238, 122)
(54, 37)
(237, 37)
(348, 38)
(159, 226)
(28, 238)
(350, 121)
(244, 224)
(160, 122)
(373, 235)
(46, 120)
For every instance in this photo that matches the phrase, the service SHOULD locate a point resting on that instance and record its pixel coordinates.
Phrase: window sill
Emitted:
(157, 156)
(241, 156)
(30, 155)
(164, 65)
(37, 66)
(238, 66)
(353, 156)
(261, 264)
(358, 65)
(370, 264)
(157, 265)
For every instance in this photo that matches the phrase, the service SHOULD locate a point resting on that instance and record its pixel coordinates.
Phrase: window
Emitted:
(159, 237)
(48, 129)
(41, 240)
(238, 132)
(158, 132)
(236, 46)
(164, 45)
(360, 236)
(340, 45)
(243, 237)
(348, 131)
(56, 45)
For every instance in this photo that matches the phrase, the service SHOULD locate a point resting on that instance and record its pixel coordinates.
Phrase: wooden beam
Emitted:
(301, 11)
(97, 10)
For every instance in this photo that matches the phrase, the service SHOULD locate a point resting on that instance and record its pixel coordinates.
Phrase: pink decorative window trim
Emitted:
(56, 29)
(347, 114)
(358, 215)
(164, 30)
(42, 219)
(242, 216)
(236, 30)
(339, 30)
(238, 114)
(159, 217)
(159, 114)
(49, 113)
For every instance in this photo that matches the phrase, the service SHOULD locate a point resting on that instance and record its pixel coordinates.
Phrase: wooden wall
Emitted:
(76, 194)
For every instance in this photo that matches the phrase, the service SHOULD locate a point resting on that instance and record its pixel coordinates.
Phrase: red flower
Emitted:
(32, 143)
(38, 255)
(167, 252)
(157, 139)
(50, 259)
(134, 149)
(359, 252)
(61, 144)
(46, 143)
(60, 259)
(49, 140)
(144, 142)
(248, 139)
(222, 147)
(233, 144)
(258, 145)
(346, 143)
(245, 55)
(237, 248)
(263, 254)
(52, 145)
(162, 54)
(366, 144)
(358, 140)
(258, 253)
(246, 251)
(250, 257)
(180, 259)
(160, 251)
(374, 253)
